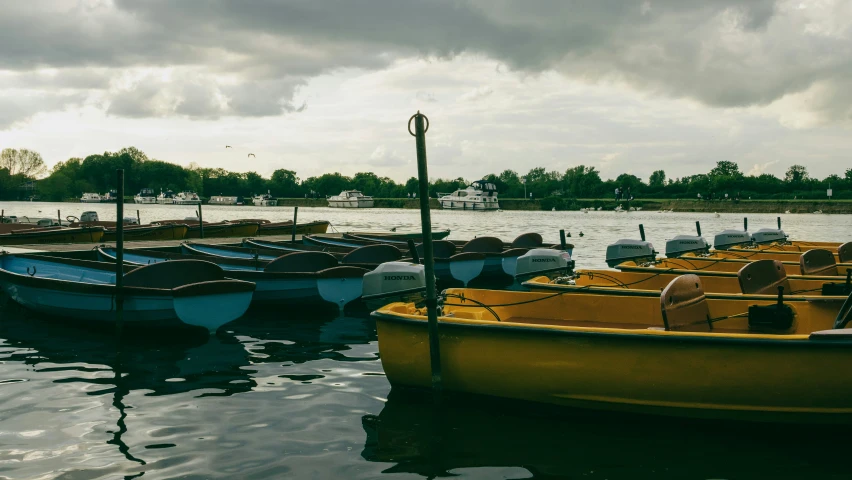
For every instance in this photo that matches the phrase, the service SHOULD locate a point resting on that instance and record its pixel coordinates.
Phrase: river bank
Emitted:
(566, 204)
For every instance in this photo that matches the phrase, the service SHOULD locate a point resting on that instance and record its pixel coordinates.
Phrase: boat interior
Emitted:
(682, 306)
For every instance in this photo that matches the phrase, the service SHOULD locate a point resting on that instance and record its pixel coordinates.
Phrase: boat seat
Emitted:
(818, 262)
(302, 262)
(173, 274)
(763, 277)
(844, 253)
(527, 240)
(373, 254)
(440, 249)
(684, 306)
(483, 245)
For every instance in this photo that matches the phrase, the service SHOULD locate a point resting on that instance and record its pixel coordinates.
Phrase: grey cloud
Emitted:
(15, 109)
(722, 53)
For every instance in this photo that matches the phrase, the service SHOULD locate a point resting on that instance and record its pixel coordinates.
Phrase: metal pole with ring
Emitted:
(421, 126)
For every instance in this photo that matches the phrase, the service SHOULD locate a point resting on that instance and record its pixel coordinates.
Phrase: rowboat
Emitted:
(299, 279)
(149, 232)
(842, 253)
(680, 355)
(188, 292)
(400, 237)
(286, 228)
(757, 278)
(367, 257)
(52, 235)
(214, 230)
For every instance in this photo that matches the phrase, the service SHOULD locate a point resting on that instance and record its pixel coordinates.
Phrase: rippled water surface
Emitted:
(293, 395)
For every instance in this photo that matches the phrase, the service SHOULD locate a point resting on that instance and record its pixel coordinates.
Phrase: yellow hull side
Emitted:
(224, 231)
(93, 236)
(704, 375)
(177, 232)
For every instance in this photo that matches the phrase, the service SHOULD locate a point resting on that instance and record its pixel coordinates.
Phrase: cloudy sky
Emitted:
(320, 86)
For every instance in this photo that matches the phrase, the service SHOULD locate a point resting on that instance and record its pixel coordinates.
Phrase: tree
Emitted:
(22, 162)
(849, 175)
(581, 181)
(284, 183)
(658, 179)
(725, 168)
(796, 174)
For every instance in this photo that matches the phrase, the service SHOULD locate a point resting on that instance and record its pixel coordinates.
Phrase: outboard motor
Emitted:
(769, 235)
(682, 244)
(394, 282)
(627, 249)
(543, 261)
(731, 238)
(89, 217)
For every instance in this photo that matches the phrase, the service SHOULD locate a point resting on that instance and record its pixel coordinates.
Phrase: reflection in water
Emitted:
(467, 432)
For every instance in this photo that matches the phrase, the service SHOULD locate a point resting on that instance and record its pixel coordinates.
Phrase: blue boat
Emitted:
(298, 279)
(186, 292)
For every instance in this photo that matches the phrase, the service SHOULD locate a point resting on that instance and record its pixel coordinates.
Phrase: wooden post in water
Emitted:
(295, 217)
(119, 253)
(428, 252)
(642, 232)
(562, 239)
(200, 221)
(698, 227)
(745, 224)
(59, 217)
(138, 218)
(779, 223)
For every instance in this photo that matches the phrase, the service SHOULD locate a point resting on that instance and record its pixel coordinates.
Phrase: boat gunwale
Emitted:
(716, 273)
(637, 292)
(649, 334)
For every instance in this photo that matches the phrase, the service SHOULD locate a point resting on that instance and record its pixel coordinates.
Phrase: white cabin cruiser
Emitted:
(91, 198)
(145, 196)
(187, 198)
(166, 198)
(265, 200)
(480, 195)
(350, 199)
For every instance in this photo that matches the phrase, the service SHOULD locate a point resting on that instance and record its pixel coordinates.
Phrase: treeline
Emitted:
(96, 173)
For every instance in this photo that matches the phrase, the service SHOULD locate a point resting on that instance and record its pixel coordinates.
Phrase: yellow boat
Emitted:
(725, 263)
(759, 253)
(215, 230)
(681, 354)
(757, 278)
(53, 235)
(149, 232)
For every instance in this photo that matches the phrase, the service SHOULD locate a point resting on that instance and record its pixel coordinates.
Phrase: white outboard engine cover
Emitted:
(393, 282)
(731, 238)
(769, 235)
(89, 217)
(543, 261)
(682, 244)
(626, 249)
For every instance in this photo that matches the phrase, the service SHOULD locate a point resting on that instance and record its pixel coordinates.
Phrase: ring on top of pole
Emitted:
(412, 118)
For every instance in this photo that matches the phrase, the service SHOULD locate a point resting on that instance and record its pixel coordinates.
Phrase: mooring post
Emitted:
(138, 218)
(642, 232)
(119, 253)
(419, 134)
(779, 223)
(745, 224)
(562, 239)
(59, 217)
(200, 221)
(698, 227)
(295, 217)
(412, 249)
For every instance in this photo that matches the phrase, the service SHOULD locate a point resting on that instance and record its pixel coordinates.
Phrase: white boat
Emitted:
(91, 198)
(350, 199)
(480, 195)
(223, 200)
(187, 198)
(111, 196)
(166, 198)
(145, 196)
(265, 200)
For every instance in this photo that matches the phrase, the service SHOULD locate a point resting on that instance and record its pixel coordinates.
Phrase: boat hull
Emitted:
(649, 372)
(154, 232)
(350, 203)
(301, 228)
(223, 231)
(59, 235)
(473, 206)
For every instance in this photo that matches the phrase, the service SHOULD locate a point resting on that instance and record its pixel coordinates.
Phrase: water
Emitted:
(297, 396)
